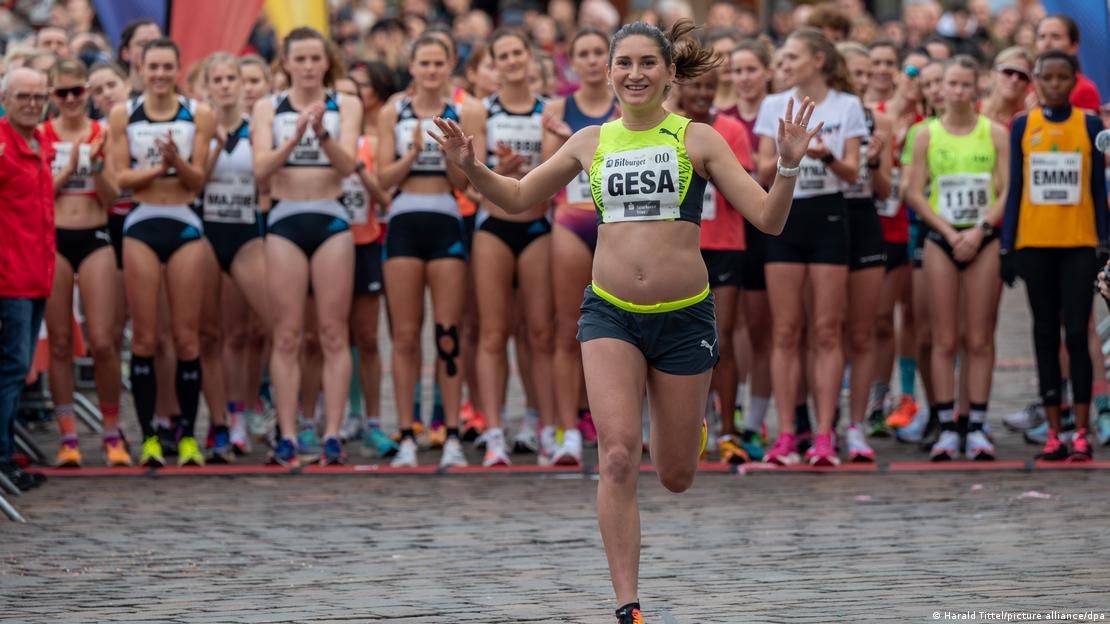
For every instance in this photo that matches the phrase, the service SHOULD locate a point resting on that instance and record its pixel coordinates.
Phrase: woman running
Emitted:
(574, 235)
(1057, 180)
(814, 247)
(159, 147)
(424, 244)
(751, 74)
(304, 145)
(512, 250)
(867, 266)
(963, 156)
(722, 248)
(237, 279)
(82, 191)
(647, 317)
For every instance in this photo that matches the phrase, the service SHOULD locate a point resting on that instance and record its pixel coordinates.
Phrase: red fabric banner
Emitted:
(201, 27)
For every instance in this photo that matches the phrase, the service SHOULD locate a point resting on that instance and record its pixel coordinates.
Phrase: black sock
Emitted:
(453, 432)
(188, 393)
(407, 434)
(801, 419)
(144, 391)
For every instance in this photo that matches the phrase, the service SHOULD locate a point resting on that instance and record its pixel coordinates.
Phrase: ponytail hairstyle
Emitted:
(678, 47)
(306, 33)
(834, 69)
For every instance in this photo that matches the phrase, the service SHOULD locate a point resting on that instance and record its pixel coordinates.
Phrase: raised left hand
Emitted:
(794, 134)
(457, 147)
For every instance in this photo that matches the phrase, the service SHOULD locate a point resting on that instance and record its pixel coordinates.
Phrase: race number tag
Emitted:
(709, 203)
(578, 191)
(521, 134)
(640, 185)
(1054, 177)
(890, 206)
(229, 198)
(862, 186)
(814, 179)
(430, 158)
(143, 136)
(963, 198)
(356, 200)
(80, 181)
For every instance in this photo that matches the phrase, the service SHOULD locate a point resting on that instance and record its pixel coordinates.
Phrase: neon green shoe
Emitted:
(151, 456)
(188, 453)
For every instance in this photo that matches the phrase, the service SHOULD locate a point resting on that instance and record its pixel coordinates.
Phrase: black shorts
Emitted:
(517, 235)
(368, 269)
(164, 236)
(228, 238)
(468, 222)
(943, 245)
(755, 257)
(680, 342)
(425, 235)
(115, 231)
(865, 235)
(816, 232)
(308, 224)
(725, 267)
(76, 245)
(897, 255)
(917, 243)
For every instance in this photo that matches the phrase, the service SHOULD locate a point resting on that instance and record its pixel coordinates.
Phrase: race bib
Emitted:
(229, 198)
(640, 185)
(709, 203)
(890, 206)
(430, 157)
(80, 181)
(814, 179)
(963, 198)
(356, 200)
(522, 134)
(143, 137)
(578, 191)
(862, 186)
(1054, 177)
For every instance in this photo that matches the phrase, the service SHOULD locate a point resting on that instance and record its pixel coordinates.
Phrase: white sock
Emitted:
(757, 411)
(741, 393)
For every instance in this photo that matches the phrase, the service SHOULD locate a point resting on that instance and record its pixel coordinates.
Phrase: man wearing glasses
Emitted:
(26, 246)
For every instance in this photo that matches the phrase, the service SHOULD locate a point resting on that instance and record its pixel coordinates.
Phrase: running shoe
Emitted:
(858, 449)
(569, 452)
(256, 423)
(525, 440)
(752, 443)
(586, 426)
(466, 412)
(351, 429)
(69, 454)
(452, 454)
(221, 451)
(549, 446)
(307, 441)
(115, 452)
(495, 456)
(474, 427)
(151, 456)
(188, 452)
(931, 434)
(406, 454)
(240, 441)
(904, 414)
(979, 447)
(630, 614)
(947, 446)
(1080, 448)
(375, 440)
(417, 431)
(1029, 417)
(333, 452)
(876, 424)
(437, 434)
(730, 451)
(784, 451)
(285, 454)
(1054, 450)
(915, 430)
(168, 439)
(1039, 434)
(1102, 429)
(822, 453)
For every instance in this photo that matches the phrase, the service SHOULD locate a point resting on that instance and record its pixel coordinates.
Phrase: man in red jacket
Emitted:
(26, 246)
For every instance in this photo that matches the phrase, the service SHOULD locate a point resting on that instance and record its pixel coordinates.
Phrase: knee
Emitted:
(618, 465)
(944, 343)
(861, 340)
(61, 347)
(677, 480)
(787, 338)
(102, 344)
(1076, 339)
(493, 339)
(406, 342)
(826, 336)
(333, 337)
(287, 342)
(237, 338)
(980, 343)
(210, 339)
(884, 328)
(542, 338)
(367, 343)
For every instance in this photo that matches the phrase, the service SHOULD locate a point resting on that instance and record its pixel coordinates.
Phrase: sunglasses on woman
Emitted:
(63, 92)
(1010, 72)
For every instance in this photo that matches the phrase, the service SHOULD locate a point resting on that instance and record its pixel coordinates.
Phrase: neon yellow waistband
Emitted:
(665, 306)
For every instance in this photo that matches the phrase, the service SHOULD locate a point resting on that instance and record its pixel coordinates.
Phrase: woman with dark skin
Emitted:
(647, 175)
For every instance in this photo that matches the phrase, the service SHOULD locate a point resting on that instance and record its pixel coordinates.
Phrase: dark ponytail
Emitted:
(678, 46)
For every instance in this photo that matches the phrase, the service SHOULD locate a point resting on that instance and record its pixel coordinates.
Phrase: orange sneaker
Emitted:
(437, 436)
(417, 431)
(115, 454)
(902, 415)
(475, 427)
(69, 455)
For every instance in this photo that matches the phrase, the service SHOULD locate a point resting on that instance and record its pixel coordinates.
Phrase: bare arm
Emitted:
(267, 159)
(341, 151)
(194, 172)
(106, 190)
(1001, 176)
(766, 160)
(473, 117)
(120, 154)
(880, 143)
(509, 194)
(847, 168)
(373, 187)
(555, 130)
(915, 187)
(392, 170)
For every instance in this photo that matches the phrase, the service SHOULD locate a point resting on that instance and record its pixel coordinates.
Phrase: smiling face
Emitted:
(69, 94)
(429, 67)
(512, 59)
(1011, 83)
(224, 83)
(588, 56)
(25, 97)
(696, 95)
(160, 70)
(723, 47)
(638, 74)
(307, 63)
(749, 75)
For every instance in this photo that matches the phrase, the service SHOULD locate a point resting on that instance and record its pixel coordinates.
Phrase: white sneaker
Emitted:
(406, 454)
(239, 438)
(452, 454)
(495, 456)
(525, 440)
(947, 447)
(979, 447)
(351, 428)
(1028, 418)
(569, 452)
(548, 446)
(859, 451)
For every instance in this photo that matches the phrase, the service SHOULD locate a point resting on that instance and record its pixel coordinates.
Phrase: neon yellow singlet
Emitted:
(961, 168)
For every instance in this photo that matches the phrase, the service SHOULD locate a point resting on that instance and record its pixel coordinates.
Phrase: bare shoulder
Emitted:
(263, 107)
(583, 144)
(555, 107)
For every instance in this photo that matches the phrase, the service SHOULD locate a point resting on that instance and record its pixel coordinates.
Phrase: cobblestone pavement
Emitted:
(768, 547)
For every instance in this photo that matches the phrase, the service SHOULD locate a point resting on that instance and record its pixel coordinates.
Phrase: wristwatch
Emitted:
(987, 227)
(360, 166)
(828, 158)
(789, 172)
(323, 136)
